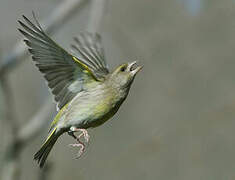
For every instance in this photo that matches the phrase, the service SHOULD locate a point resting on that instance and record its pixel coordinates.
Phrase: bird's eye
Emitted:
(123, 68)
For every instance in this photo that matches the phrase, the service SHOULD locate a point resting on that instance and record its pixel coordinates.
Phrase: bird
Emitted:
(86, 92)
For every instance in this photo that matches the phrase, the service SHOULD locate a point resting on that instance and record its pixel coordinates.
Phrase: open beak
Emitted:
(134, 68)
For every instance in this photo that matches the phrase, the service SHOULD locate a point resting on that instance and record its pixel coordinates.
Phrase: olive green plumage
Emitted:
(87, 94)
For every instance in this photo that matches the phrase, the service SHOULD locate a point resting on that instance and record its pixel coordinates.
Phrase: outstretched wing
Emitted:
(88, 48)
(65, 74)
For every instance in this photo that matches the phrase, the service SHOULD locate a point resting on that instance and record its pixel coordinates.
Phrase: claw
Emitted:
(76, 145)
(81, 150)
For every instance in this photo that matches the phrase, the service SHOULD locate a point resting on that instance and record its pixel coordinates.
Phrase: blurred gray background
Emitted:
(179, 119)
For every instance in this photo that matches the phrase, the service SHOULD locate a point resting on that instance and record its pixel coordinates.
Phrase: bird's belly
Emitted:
(93, 114)
(101, 115)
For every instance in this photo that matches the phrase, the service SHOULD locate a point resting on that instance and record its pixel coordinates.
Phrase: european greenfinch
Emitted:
(86, 92)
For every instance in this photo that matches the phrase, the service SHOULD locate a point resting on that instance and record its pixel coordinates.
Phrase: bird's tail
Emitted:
(44, 151)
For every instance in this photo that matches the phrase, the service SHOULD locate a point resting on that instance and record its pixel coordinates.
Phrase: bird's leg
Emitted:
(80, 143)
(84, 133)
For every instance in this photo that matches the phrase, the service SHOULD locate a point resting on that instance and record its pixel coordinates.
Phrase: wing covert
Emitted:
(88, 48)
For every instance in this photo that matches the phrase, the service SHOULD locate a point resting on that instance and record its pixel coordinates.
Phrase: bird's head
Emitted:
(124, 74)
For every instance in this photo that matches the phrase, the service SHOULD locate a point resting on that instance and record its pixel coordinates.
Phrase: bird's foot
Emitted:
(80, 144)
(81, 150)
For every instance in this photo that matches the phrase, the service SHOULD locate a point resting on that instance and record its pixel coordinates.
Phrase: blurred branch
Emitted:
(36, 124)
(96, 16)
(61, 14)
(9, 104)
(25, 135)
(33, 127)
(10, 169)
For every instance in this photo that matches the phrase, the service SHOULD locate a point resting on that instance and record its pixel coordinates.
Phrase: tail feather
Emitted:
(44, 151)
